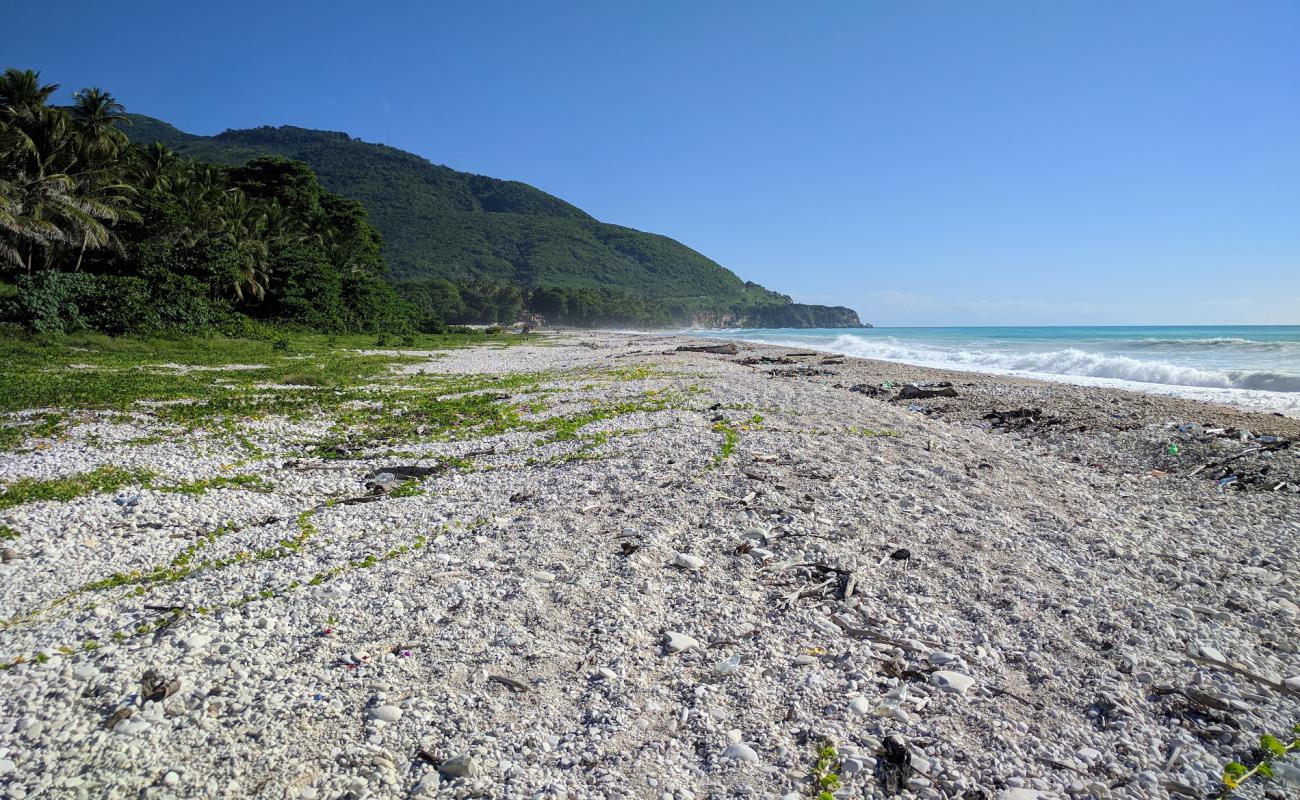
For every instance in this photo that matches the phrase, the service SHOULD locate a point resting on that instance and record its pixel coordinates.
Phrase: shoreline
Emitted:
(1251, 400)
(603, 566)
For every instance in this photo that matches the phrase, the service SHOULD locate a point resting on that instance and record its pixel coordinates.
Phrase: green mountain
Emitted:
(441, 223)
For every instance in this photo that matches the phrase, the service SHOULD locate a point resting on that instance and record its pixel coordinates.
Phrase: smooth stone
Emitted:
(939, 658)
(1210, 652)
(679, 642)
(1292, 683)
(461, 766)
(386, 713)
(607, 673)
(693, 563)
(952, 681)
(1089, 754)
(739, 751)
(196, 642)
(860, 705)
(543, 576)
(429, 784)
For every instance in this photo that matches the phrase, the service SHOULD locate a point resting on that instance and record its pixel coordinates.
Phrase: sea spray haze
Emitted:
(1249, 366)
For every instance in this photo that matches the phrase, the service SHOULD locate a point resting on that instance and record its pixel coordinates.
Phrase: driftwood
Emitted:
(1223, 461)
(1277, 686)
(728, 349)
(512, 684)
(913, 392)
(863, 633)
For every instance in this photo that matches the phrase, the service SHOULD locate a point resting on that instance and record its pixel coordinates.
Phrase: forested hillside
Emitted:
(439, 223)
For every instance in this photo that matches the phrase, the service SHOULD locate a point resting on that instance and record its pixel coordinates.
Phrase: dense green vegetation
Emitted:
(447, 227)
(185, 233)
(96, 233)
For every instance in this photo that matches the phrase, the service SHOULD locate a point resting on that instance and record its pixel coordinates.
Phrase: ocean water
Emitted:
(1256, 367)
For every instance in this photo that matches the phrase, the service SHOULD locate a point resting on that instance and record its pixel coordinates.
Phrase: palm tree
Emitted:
(243, 227)
(156, 167)
(23, 89)
(97, 114)
(48, 202)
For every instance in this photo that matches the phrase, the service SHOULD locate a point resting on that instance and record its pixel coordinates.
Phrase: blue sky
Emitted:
(923, 162)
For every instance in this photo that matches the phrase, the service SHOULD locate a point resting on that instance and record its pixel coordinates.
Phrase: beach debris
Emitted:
(407, 472)
(901, 555)
(513, 684)
(924, 391)
(1019, 418)
(799, 372)
(750, 361)
(155, 688)
(728, 349)
(870, 390)
(727, 665)
(893, 765)
(381, 483)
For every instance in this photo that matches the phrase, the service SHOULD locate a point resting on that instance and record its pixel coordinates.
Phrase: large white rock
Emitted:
(740, 751)
(688, 561)
(386, 713)
(951, 681)
(676, 642)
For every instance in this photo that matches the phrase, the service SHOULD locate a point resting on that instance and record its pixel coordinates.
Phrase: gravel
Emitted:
(657, 618)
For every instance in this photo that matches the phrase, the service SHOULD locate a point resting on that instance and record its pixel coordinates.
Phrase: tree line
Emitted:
(99, 233)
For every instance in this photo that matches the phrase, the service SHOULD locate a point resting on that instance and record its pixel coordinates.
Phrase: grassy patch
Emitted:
(250, 482)
(7, 533)
(730, 439)
(104, 479)
(13, 434)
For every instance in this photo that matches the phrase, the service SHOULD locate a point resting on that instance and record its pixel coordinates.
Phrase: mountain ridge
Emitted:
(438, 222)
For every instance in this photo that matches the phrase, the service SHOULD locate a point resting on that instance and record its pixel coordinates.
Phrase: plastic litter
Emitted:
(1172, 449)
(727, 665)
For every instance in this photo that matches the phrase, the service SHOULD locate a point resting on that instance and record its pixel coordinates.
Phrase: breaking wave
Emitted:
(1069, 362)
(1216, 343)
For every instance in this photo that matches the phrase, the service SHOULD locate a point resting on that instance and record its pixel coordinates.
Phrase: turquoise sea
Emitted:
(1249, 366)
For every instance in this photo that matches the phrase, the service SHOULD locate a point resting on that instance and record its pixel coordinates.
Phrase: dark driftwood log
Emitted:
(914, 392)
(728, 349)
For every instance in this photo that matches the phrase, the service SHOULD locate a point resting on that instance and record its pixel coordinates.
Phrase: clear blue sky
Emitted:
(923, 162)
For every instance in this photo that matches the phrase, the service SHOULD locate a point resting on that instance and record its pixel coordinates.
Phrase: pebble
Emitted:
(676, 642)
(860, 705)
(951, 681)
(428, 784)
(386, 713)
(460, 766)
(940, 657)
(739, 751)
(690, 562)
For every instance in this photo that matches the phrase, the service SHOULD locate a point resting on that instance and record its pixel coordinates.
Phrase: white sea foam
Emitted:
(1260, 390)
